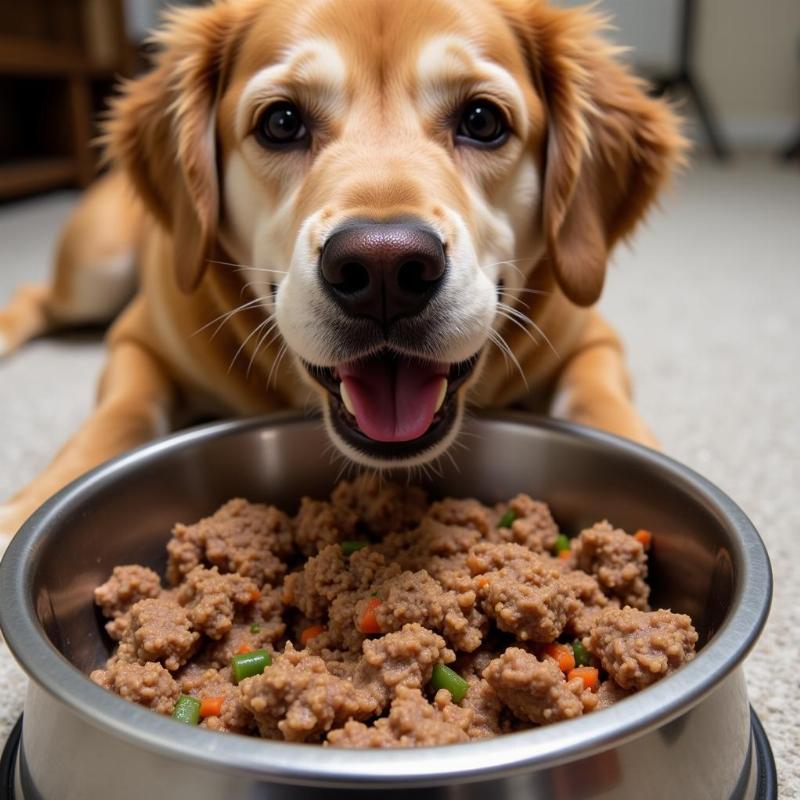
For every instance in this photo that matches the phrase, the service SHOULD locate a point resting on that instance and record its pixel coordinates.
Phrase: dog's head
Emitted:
(384, 166)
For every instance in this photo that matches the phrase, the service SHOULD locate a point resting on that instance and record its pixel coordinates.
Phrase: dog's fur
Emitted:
(209, 220)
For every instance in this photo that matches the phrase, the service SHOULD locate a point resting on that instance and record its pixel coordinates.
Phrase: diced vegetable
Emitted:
(255, 628)
(244, 648)
(507, 520)
(187, 710)
(565, 554)
(644, 538)
(211, 707)
(445, 678)
(348, 548)
(246, 665)
(562, 654)
(562, 544)
(589, 675)
(369, 622)
(582, 656)
(310, 632)
(255, 596)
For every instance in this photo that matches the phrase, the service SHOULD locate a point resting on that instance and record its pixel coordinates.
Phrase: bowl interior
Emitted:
(124, 513)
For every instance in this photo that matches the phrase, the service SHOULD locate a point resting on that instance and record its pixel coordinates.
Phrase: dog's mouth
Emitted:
(391, 405)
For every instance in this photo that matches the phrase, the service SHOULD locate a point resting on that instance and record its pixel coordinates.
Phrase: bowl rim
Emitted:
(309, 765)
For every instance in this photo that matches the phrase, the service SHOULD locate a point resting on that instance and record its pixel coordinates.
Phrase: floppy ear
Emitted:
(609, 150)
(161, 131)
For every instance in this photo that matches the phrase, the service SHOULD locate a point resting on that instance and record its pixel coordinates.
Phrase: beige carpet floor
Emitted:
(708, 300)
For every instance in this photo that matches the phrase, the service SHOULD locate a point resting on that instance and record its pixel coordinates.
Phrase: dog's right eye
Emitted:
(281, 125)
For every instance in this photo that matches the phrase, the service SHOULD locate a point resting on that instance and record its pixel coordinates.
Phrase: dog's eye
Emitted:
(482, 122)
(281, 124)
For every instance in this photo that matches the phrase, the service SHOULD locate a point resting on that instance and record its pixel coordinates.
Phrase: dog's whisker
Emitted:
(245, 341)
(503, 346)
(225, 316)
(244, 267)
(276, 364)
(259, 343)
(523, 318)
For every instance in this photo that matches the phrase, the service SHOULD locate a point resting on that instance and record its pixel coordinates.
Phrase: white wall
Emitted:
(747, 57)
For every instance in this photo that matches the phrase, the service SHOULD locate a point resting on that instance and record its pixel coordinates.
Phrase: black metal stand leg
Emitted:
(707, 119)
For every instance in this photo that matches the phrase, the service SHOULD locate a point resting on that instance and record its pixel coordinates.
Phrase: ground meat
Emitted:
(380, 505)
(148, 684)
(211, 599)
(417, 597)
(412, 722)
(535, 691)
(160, 630)
(211, 683)
(529, 598)
(618, 561)
(436, 585)
(298, 699)
(533, 526)
(637, 648)
(242, 537)
(319, 524)
(404, 658)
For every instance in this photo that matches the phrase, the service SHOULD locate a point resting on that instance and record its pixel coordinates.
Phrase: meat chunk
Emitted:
(319, 524)
(486, 708)
(618, 561)
(412, 722)
(160, 630)
(637, 648)
(382, 506)
(297, 699)
(204, 683)
(609, 693)
(467, 513)
(127, 586)
(591, 601)
(533, 526)
(529, 598)
(211, 599)
(535, 691)
(247, 538)
(404, 658)
(149, 685)
(417, 597)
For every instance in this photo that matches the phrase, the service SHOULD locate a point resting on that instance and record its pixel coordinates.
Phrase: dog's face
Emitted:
(384, 166)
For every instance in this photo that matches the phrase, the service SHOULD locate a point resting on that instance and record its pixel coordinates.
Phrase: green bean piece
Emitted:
(445, 678)
(582, 656)
(348, 548)
(246, 665)
(187, 710)
(507, 519)
(255, 628)
(562, 544)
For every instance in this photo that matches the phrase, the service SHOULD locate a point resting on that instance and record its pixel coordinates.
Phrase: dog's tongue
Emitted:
(393, 400)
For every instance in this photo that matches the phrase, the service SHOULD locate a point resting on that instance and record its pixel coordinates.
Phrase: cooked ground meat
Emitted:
(358, 634)
(147, 684)
(534, 690)
(617, 560)
(637, 648)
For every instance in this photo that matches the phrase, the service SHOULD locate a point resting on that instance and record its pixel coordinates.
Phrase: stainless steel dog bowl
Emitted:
(690, 736)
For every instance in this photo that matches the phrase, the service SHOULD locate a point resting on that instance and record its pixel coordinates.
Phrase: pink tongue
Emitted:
(393, 401)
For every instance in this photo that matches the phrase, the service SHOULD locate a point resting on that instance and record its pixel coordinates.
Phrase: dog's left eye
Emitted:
(482, 123)
(281, 124)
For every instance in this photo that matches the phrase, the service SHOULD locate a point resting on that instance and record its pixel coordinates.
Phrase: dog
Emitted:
(391, 207)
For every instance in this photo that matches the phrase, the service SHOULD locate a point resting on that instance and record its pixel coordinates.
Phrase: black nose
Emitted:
(383, 270)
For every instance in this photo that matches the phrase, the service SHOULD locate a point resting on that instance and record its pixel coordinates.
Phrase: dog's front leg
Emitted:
(594, 388)
(135, 403)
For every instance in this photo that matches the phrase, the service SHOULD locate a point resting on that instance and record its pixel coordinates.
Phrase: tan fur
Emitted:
(184, 184)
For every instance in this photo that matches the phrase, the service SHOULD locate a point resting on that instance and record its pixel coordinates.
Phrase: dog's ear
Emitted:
(609, 149)
(161, 130)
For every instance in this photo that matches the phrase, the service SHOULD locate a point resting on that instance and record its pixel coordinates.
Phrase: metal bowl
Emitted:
(689, 736)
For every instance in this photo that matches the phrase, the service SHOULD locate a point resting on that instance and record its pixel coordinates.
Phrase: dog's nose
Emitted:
(383, 270)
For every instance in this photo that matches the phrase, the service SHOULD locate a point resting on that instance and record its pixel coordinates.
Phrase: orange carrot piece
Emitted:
(482, 581)
(369, 622)
(564, 554)
(562, 654)
(589, 675)
(244, 648)
(310, 632)
(644, 538)
(255, 596)
(211, 707)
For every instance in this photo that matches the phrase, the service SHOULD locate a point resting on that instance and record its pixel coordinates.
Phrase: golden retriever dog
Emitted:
(393, 208)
